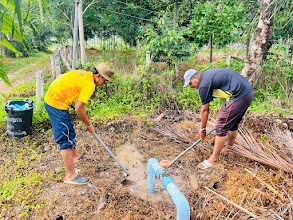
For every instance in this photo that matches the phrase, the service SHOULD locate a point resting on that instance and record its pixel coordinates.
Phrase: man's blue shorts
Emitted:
(64, 133)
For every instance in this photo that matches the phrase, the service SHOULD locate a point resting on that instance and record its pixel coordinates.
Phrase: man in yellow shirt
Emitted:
(73, 88)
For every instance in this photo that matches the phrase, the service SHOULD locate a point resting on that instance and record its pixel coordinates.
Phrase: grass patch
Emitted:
(14, 64)
(21, 67)
(27, 90)
(22, 184)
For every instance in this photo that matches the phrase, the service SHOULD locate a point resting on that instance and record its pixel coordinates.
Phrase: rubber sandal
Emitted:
(204, 165)
(78, 180)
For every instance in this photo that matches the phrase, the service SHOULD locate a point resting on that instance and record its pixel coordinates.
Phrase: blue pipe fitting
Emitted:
(154, 170)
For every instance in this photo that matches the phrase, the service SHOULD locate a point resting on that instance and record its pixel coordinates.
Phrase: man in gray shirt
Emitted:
(238, 93)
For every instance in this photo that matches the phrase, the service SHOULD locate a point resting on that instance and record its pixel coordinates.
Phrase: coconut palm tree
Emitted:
(258, 44)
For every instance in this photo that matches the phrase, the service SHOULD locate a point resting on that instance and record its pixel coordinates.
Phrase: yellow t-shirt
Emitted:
(70, 87)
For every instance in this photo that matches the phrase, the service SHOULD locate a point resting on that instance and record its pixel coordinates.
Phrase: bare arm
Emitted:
(81, 114)
(204, 115)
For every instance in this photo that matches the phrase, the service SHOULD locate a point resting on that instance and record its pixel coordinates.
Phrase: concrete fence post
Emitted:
(57, 62)
(148, 58)
(228, 59)
(52, 65)
(39, 85)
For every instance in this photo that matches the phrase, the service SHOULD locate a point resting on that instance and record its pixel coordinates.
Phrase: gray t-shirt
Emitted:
(224, 79)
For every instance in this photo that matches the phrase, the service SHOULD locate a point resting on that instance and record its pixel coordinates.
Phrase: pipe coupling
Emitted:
(165, 172)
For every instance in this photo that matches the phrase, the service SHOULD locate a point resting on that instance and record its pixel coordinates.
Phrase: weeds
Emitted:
(22, 183)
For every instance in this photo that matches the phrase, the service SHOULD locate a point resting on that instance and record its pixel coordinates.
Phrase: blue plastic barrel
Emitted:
(19, 115)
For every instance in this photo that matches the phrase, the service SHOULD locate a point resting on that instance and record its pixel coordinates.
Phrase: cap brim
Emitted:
(106, 77)
(186, 83)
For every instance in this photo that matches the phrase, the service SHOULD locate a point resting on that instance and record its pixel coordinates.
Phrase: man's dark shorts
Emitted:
(64, 133)
(232, 113)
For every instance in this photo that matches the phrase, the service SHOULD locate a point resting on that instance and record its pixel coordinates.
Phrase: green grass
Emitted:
(14, 64)
(26, 183)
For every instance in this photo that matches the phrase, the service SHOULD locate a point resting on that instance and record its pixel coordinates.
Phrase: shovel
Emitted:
(115, 158)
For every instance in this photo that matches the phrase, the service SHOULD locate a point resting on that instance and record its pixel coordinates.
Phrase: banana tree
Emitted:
(11, 26)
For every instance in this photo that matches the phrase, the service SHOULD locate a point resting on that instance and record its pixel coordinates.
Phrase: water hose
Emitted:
(161, 171)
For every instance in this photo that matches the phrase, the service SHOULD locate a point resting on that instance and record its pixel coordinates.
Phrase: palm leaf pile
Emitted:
(276, 151)
(278, 154)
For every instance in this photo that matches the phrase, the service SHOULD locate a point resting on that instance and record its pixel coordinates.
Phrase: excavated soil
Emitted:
(211, 193)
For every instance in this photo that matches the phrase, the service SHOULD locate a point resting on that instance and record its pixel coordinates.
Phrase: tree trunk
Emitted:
(81, 34)
(259, 41)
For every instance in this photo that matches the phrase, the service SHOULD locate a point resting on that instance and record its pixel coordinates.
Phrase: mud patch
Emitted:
(136, 182)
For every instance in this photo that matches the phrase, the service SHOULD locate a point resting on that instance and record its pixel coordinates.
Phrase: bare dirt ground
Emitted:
(211, 194)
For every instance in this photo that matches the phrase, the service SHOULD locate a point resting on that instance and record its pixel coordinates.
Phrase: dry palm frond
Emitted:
(266, 154)
(232, 203)
(284, 137)
(173, 133)
(272, 189)
(279, 156)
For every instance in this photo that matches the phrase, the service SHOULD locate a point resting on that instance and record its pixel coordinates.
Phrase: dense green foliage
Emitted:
(226, 20)
(166, 43)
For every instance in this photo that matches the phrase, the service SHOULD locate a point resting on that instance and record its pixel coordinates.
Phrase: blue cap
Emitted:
(188, 75)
